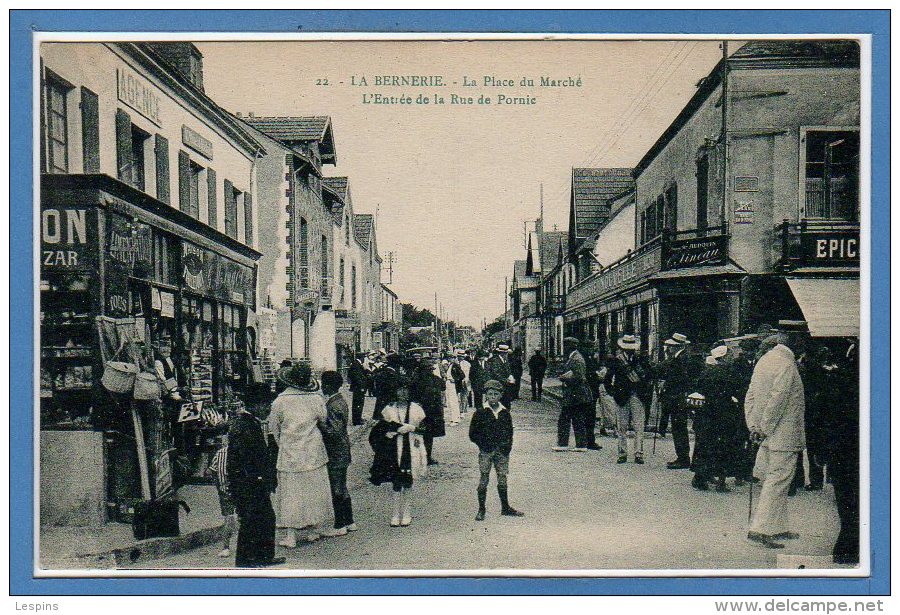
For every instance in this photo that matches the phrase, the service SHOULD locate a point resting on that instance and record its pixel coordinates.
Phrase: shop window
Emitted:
(304, 253)
(138, 167)
(832, 174)
(57, 126)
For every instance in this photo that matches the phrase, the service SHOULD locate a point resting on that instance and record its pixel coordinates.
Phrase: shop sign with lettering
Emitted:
(838, 247)
(196, 141)
(138, 94)
(130, 243)
(69, 238)
(695, 252)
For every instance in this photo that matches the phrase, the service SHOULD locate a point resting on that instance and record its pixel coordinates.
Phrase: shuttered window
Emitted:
(123, 146)
(230, 197)
(304, 253)
(248, 219)
(184, 181)
(90, 131)
(161, 150)
(212, 204)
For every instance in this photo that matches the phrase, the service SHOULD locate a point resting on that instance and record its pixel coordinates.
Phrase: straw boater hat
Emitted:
(677, 339)
(502, 348)
(629, 342)
(793, 326)
(460, 353)
(298, 377)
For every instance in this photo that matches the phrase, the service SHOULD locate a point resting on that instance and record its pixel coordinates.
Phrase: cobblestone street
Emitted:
(583, 511)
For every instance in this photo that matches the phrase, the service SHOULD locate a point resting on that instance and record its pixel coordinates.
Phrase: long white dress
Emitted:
(451, 399)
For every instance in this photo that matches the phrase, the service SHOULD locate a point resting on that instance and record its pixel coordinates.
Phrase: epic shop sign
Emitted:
(830, 247)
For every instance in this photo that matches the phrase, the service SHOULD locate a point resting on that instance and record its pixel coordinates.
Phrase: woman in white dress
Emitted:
(451, 397)
(303, 497)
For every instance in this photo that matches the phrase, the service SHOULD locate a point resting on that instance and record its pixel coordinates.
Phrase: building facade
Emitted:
(746, 208)
(149, 250)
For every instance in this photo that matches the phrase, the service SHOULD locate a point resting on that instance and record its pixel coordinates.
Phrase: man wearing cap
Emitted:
(628, 381)
(492, 430)
(498, 368)
(577, 400)
(678, 372)
(774, 407)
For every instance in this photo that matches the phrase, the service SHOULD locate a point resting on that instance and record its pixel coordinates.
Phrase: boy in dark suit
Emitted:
(492, 430)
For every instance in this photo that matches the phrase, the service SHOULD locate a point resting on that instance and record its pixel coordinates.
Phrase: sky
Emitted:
(453, 184)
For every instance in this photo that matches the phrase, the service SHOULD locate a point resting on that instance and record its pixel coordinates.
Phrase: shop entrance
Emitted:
(693, 315)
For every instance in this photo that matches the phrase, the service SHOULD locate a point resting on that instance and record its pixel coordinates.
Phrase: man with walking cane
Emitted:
(774, 408)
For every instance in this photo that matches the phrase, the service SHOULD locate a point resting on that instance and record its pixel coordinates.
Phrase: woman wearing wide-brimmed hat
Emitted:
(303, 497)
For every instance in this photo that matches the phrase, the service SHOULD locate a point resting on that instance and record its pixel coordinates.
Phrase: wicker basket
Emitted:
(146, 387)
(118, 376)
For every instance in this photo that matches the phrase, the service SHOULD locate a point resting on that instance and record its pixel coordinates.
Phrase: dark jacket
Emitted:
(492, 434)
(498, 369)
(619, 382)
(426, 391)
(384, 463)
(249, 464)
(358, 377)
(515, 365)
(334, 432)
(537, 365)
(679, 373)
(576, 390)
(477, 375)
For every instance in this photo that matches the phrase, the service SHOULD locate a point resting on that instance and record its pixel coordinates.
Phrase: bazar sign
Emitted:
(211, 274)
(137, 94)
(695, 252)
(68, 237)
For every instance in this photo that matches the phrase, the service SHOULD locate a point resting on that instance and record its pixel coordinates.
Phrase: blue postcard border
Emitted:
(24, 23)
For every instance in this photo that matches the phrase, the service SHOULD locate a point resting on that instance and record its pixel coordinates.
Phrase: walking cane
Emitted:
(754, 448)
(658, 413)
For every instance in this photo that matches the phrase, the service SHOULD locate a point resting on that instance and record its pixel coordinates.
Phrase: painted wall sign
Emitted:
(196, 141)
(69, 238)
(130, 243)
(746, 184)
(138, 94)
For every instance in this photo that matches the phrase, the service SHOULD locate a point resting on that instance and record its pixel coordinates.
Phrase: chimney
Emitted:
(184, 57)
(252, 114)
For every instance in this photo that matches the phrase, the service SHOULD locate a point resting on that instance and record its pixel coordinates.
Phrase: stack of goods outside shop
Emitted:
(145, 340)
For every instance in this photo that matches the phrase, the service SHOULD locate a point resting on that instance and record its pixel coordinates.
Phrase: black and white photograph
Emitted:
(361, 305)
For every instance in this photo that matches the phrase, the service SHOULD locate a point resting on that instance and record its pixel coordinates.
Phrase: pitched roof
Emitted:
(288, 129)
(549, 249)
(338, 185)
(362, 228)
(521, 279)
(592, 192)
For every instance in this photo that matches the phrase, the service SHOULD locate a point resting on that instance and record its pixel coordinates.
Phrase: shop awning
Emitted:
(830, 305)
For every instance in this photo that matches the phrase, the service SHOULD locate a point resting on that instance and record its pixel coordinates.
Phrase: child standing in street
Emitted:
(492, 430)
(218, 469)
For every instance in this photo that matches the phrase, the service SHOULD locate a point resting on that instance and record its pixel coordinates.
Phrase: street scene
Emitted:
(524, 321)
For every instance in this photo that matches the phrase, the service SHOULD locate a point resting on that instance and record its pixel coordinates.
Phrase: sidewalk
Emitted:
(113, 545)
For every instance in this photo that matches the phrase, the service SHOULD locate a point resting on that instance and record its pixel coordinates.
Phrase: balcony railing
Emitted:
(817, 243)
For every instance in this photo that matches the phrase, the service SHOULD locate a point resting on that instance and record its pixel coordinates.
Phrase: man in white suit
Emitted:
(774, 408)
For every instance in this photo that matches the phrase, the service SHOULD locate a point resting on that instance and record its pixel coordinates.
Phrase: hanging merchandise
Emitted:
(190, 411)
(146, 387)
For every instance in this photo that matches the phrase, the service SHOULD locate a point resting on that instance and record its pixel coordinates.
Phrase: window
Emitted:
(702, 191)
(671, 216)
(138, 168)
(343, 276)
(57, 127)
(832, 175)
(353, 286)
(304, 253)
